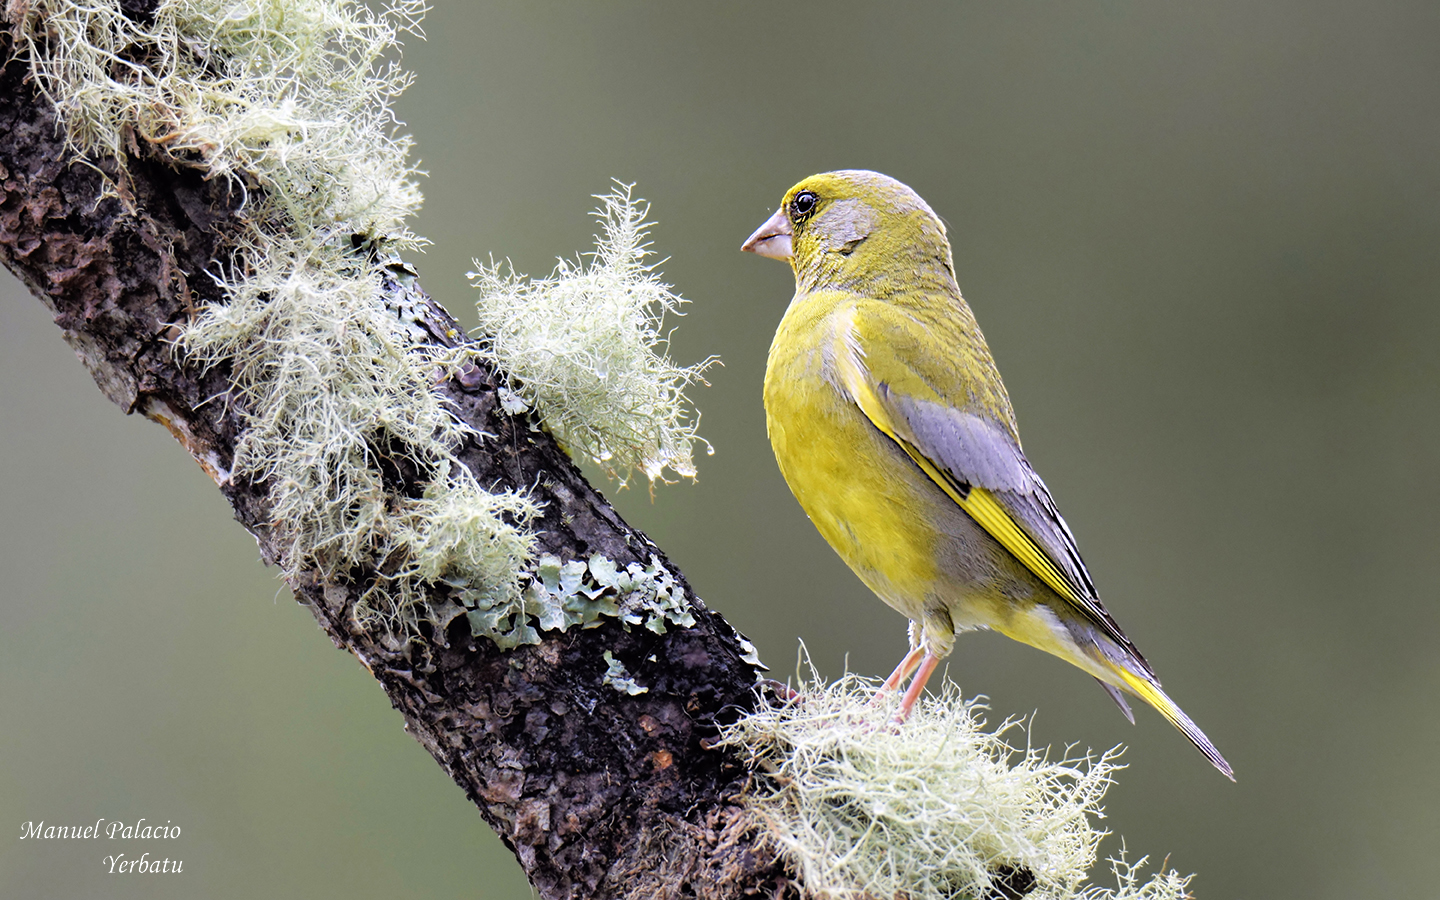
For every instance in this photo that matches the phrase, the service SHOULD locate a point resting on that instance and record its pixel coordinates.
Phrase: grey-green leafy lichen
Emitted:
(583, 593)
(932, 809)
(618, 677)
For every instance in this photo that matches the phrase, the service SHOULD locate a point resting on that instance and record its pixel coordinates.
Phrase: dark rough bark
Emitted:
(600, 794)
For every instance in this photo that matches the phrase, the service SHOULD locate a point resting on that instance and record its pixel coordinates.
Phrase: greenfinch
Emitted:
(893, 430)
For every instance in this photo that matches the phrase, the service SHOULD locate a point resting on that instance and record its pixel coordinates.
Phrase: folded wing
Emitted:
(975, 459)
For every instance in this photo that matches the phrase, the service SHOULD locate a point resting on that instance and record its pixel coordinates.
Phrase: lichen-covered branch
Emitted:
(211, 198)
(600, 792)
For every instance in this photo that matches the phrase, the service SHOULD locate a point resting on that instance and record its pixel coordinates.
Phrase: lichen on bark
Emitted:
(598, 793)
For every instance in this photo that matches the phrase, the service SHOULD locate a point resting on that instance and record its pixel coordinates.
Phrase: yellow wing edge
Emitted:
(977, 502)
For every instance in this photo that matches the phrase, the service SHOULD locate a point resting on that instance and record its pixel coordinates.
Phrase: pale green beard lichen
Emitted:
(1166, 885)
(335, 384)
(294, 97)
(931, 809)
(587, 350)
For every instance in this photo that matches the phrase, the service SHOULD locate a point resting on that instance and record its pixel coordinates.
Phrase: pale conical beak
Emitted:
(771, 239)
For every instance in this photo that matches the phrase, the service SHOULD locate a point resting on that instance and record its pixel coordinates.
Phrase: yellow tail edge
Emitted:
(1151, 694)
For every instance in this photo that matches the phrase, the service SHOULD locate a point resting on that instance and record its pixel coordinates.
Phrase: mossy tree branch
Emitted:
(599, 793)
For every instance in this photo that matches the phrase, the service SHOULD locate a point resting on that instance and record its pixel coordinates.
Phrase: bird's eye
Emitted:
(802, 206)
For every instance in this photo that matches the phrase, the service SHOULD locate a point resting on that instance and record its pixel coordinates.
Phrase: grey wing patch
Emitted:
(982, 454)
(978, 452)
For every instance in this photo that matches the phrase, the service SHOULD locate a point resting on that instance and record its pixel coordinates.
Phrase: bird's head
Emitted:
(852, 228)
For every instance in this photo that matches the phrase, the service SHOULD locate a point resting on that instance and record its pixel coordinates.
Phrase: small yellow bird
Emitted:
(894, 431)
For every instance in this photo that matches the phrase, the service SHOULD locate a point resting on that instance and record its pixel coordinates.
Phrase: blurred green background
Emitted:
(1201, 239)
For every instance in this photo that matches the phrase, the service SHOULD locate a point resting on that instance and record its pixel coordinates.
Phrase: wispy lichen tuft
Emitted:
(291, 101)
(292, 96)
(586, 348)
(1166, 885)
(457, 534)
(937, 808)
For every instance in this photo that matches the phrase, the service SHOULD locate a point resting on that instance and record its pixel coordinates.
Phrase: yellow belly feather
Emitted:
(886, 518)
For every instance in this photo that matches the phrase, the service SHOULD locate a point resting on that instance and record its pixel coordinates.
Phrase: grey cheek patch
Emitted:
(847, 223)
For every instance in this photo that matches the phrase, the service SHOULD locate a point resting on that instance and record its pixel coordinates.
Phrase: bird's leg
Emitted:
(912, 693)
(902, 671)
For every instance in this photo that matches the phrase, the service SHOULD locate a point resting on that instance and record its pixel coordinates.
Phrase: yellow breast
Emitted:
(864, 495)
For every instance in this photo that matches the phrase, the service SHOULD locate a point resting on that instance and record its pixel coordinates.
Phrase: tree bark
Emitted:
(598, 793)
